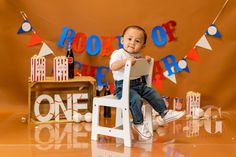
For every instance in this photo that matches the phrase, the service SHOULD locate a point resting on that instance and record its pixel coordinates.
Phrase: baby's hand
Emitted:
(148, 59)
(132, 59)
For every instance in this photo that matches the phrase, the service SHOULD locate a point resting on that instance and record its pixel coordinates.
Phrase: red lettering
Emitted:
(170, 28)
(84, 70)
(75, 42)
(107, 45)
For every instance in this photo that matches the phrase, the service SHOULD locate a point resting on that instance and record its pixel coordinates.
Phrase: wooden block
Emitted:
(83, 88)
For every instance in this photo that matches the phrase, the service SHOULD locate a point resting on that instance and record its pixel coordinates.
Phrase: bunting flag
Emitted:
(112, 88)
(213, 31)
(35, 39)
(158, 82)
(171, 77)
(25, 27)
(45, 50)
(193, 55)
(203, 43)
(183, 64)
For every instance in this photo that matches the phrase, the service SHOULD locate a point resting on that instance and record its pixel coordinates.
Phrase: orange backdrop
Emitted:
(213, 76)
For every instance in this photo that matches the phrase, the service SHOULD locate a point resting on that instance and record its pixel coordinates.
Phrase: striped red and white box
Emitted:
(192, 101)
(38, 68)
(60, 65)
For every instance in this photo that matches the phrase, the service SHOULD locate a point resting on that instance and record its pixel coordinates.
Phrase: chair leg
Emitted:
(148, 114)
(118, 117)
(95, 122)
(126, 128)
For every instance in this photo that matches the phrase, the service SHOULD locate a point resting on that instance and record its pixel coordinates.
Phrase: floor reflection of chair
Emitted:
(105, 150)
(122, 129)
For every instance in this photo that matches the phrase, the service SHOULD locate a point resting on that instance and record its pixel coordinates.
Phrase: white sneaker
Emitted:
(172, 115)
(160, 121)
(143, 131)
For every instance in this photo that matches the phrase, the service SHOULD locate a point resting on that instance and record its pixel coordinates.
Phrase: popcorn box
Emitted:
(192, 102)
(60, 65)
(38, 68)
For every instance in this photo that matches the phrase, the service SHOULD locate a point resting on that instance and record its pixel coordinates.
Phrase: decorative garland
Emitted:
(93, 45)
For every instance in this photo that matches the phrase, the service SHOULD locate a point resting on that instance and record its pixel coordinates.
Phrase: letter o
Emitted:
(36, 108)
(163, 38)
(89, 45)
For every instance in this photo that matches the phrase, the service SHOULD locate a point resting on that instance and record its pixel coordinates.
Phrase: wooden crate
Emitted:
(77, 85)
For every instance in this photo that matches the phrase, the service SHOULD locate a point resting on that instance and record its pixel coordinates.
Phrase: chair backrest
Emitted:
(140, 68)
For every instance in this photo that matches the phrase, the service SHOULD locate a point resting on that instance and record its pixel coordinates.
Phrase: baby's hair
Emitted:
(138, 28)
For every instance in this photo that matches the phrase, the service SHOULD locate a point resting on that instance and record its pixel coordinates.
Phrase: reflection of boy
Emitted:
(133, 40)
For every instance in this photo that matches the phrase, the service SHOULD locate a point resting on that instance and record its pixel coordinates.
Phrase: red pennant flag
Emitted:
(35, 39)
(111, 86)
(192, 54)
(158, 82)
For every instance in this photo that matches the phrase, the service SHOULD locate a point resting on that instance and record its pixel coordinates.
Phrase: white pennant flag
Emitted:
(203, 43)
(171, 77)
(45, 50)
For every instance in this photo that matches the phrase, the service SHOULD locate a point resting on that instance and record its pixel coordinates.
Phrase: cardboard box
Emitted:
(38, 68)
(60, 66)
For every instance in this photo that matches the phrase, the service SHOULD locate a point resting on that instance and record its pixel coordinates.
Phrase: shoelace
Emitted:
(170, 112)
(145, 128)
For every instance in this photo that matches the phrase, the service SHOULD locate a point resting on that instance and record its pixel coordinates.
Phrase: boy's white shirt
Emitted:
(120, 55)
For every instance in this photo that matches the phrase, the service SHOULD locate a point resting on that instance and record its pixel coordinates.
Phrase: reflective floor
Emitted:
(182, 138)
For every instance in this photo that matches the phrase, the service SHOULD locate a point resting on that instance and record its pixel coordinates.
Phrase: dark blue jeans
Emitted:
(138, 91)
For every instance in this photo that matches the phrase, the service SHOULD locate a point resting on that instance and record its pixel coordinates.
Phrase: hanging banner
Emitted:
(45, 50)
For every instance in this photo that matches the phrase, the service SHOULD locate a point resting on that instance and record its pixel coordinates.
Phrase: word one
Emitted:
(54, 106)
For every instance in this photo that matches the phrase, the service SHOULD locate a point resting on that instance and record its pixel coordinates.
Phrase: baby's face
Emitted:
(133, 40)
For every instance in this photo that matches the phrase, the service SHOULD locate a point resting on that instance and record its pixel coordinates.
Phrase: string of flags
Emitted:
(192, 54)
(171, 70)
(35, 39)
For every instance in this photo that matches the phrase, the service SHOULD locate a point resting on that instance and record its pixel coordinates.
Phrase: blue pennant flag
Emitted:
(183, 64)
(213, 31)
(25, 27)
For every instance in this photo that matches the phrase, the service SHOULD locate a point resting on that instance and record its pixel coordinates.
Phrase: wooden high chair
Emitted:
(122, 126)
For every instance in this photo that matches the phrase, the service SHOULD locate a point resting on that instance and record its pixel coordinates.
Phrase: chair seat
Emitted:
(111, 96)
(108, 100)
